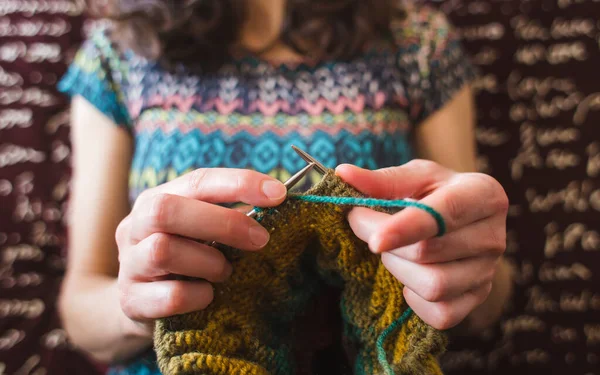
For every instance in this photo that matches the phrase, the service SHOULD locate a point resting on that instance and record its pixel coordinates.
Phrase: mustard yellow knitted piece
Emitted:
(247, 328)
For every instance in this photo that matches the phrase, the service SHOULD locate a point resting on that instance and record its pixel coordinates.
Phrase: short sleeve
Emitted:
(432, 60)
(96, 75)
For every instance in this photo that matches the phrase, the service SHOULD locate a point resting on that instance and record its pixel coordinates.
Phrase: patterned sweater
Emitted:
(248, 113)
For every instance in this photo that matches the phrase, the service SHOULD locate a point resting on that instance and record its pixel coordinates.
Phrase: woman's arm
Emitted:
(448, 138)
(99, 201)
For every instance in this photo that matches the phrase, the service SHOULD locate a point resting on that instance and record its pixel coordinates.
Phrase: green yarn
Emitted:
(371, 202)
(381, 354)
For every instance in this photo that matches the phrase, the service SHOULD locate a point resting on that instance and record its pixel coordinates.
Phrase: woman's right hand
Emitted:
(159, 239)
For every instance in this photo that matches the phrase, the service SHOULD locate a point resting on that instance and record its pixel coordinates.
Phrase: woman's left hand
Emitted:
(446, 278)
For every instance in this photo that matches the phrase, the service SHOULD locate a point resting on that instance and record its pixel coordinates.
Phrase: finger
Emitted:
(174, 214)
(413, 179)
(366, 222)
(122, 234)
(447, 314)
(441, 281)
(159, 299)
(223, 185)
(162, 254)
(483, 238)
(467, 198)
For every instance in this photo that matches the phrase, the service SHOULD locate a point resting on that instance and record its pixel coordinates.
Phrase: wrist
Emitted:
(490, 311)
(129, 328)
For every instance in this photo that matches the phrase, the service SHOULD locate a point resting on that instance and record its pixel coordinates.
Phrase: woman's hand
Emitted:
(159, 239)
(446, 278)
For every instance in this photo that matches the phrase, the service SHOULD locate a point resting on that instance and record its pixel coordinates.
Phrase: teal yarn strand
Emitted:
(381, 354)
(372, 202)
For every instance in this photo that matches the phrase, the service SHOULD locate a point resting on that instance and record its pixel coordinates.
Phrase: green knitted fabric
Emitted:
(247, 328)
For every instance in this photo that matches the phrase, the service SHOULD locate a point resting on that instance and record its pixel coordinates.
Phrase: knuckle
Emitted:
(208, 295)
(427, 250)
(233, 223)
(122, 231)
(219, 269)
(197, 178)
(497, 241)
(389, 172)
(245, 180)
(159, 250)
(126, 300)
(160, 211)
(495, 192)
(488, 276)
(175, 299)
(128, 308)
(435, 288)
(502, 203)
(418, 254)
(487, 289)
(427, 166)
(485, 278)
(443, 317)
(453, 209)
(500, 200)
(390, 176)
(144, 197)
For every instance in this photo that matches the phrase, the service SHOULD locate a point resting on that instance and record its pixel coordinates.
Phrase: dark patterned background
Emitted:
(36, 39)
(539, 101)
(539, 134)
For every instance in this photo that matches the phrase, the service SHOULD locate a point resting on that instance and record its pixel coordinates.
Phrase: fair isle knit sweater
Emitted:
(248, 113)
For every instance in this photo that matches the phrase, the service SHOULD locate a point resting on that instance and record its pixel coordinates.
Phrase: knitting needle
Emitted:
(309, 159)
(290, 183)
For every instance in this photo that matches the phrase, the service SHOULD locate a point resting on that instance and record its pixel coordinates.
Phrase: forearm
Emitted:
(490, 311)
(93, 318)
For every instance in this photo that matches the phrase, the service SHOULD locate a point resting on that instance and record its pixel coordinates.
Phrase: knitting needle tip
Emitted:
(290, 183)
(309, 159)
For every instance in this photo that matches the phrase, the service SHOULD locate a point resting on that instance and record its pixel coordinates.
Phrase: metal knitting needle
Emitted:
(309, 159)
(290, 183)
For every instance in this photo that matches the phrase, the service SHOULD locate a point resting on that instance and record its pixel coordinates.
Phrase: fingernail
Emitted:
(258, 236)
(274, 190)
(341, 167)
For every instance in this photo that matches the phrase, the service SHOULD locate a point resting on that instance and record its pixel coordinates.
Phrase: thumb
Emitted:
(415, 179)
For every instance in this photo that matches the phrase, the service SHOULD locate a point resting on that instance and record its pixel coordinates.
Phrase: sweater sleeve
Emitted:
(431, 59)
(97, 75)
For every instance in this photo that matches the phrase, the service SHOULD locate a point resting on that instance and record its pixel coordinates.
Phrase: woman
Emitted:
(179, 108)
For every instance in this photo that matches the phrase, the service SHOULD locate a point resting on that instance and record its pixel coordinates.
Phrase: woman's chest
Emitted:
(339, 114)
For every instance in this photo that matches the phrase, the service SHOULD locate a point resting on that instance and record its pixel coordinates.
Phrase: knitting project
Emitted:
(247, 328)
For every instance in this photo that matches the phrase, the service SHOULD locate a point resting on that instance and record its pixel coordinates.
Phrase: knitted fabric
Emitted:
(246, 330)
